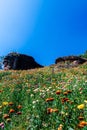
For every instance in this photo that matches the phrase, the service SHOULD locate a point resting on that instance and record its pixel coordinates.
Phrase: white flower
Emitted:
(34, 102)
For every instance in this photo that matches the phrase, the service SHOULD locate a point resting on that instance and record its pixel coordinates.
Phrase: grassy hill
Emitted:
(49, 98)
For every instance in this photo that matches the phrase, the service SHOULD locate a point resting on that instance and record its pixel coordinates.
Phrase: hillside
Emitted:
(49, 98)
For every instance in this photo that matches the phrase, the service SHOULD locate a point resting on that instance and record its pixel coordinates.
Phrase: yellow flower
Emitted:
(5, 103)
(85, 101)
(0, 107)
(81, 106)
(60, 127)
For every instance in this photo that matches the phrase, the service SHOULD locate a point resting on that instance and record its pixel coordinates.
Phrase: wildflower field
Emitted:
(44, 99)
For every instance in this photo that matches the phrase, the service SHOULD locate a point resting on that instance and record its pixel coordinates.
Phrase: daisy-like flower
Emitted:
(81, 106)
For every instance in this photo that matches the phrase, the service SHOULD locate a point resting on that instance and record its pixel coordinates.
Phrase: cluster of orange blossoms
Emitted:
(51, 110)
(82, 124)
(58, 92)
(11, 111)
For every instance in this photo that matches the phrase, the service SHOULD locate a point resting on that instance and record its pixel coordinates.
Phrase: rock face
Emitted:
(18, 61)
(71, 59)
(0, 66)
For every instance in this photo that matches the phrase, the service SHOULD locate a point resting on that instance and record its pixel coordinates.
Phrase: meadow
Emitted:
(44, 99)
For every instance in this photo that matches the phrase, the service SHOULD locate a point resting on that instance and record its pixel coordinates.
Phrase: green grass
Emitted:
(43, 99)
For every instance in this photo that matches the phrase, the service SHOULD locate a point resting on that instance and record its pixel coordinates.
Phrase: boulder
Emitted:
(0, 66)
(71, 59)
(18, 61)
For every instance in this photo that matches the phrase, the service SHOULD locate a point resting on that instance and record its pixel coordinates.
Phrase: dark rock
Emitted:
(71, 59)
(0, 66)
(18, 61)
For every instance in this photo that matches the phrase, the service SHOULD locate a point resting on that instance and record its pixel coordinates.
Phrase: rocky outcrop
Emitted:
(18, 61)
(71, 59)
(0, 66)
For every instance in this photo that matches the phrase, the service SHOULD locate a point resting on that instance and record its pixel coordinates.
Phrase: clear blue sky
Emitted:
(44, 29)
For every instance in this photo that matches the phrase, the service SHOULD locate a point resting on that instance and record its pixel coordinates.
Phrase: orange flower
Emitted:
(82, 124)
(5, 116)
(69, 91)
(65, 93)
(65, 100)
(0, 91)
(10, 103)
(19, 106)
(50, 110)
(11, 111)
(19, 113)
(49, 99)
(58, 92)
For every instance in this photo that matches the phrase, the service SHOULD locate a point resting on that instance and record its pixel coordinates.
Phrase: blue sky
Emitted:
(44, 29)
